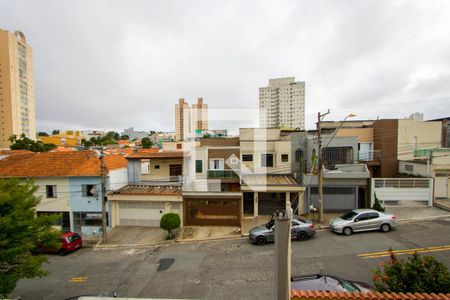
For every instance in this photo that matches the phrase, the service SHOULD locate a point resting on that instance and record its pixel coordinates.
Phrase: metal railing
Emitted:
(222, 174)
(369, 155)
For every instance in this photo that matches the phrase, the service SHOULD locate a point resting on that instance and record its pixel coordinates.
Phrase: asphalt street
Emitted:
(232, 269)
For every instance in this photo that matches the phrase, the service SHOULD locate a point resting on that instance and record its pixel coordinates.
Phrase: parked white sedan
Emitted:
(363, 220)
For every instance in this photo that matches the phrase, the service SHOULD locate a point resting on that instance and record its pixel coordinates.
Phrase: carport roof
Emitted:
(263, 179)
(142, 189)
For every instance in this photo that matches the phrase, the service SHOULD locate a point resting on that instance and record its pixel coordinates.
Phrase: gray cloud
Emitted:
(114, 64)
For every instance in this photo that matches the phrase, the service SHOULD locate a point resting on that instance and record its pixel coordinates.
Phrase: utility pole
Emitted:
(103, 194)
(319, 161)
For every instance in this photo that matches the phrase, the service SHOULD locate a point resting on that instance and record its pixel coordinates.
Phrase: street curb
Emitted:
(98, 246)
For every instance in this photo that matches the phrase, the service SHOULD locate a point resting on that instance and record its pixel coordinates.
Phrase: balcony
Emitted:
(222, 174)
(369, 155)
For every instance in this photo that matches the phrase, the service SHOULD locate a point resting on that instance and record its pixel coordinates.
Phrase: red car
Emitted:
(70, 241)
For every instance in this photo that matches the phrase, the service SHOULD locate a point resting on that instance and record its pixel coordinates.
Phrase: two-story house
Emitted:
(153, 189)
(69, 184)
(267, 183)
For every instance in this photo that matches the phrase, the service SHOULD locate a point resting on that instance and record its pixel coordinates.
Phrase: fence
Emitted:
(397, 191)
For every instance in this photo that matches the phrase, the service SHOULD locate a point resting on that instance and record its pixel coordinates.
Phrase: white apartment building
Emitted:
(282, 103)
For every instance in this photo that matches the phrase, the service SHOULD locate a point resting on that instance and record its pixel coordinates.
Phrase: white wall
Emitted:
(117, 178)
(62, 200)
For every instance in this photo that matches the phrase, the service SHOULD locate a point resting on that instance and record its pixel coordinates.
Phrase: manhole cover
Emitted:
(165, 263)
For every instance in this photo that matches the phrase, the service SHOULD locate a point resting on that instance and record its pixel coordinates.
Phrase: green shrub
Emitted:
(416, 274)
(377, 205)
(170, 222)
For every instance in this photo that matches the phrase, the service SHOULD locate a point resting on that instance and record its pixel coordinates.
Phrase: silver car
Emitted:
(363, 220)
(300, 229)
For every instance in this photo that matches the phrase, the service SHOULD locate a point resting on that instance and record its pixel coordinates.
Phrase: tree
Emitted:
(22, 233)
(55, 131)
(377, 205)
(86, 143)
(26, 143)
(170, 222)
(146, 142)
(112, 135)
(124, 137)
(416, 274)
(42, 133)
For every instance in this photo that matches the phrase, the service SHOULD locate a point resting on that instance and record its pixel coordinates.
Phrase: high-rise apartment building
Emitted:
(189, 120)
(282, 103)
(17, 112)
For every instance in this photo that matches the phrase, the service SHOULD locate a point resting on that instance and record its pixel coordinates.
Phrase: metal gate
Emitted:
(212, 212)
(336, 198)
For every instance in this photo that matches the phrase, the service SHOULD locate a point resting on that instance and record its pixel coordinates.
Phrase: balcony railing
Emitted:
(222, 174)
(369, 155)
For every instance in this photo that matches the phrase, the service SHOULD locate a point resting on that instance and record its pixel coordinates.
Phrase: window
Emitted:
(51, 191)
(299, 155)
(89, 190)
(373, 215)
(216, 164)
(409, 168)
(179, 146)
(247, 157)
(363, 217)
(157, 167)
(198, 166)
(266, 160)
(284, 157)
(337, 155)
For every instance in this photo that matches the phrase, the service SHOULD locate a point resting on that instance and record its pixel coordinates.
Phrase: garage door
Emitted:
(212, 212)
(144, 213)
(440, 185)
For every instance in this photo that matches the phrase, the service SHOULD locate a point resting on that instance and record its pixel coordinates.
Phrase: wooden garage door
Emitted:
(223, 212)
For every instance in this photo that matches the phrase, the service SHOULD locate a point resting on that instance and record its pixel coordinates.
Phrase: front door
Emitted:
(249, 204)
(362, 222)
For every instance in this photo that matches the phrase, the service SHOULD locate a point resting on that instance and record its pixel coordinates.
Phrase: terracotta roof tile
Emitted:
(56, 164)
(143, 189)
(159, 154)
(324, 295)
(262, 179)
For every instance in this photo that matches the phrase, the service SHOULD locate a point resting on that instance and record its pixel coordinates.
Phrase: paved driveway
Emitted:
(135, 235)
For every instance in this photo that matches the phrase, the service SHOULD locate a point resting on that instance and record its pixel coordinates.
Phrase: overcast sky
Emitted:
(115, 64)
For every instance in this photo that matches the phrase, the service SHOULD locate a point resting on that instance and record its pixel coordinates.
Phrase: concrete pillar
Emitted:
(283, 254)
(255, 204)
(288, 200)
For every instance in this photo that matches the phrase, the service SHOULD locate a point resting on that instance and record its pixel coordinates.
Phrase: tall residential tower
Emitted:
(190, 120)
(17, 112)
(282, 104)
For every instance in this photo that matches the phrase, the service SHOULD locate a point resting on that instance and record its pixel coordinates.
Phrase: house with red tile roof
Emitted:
(68, 183)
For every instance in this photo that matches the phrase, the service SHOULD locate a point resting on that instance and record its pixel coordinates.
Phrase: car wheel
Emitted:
(301, 236)
(385, 228)
(347, 231)
(62, 252)
(260, 240)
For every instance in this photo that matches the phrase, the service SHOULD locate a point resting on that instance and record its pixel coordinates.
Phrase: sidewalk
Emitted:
(442, 204)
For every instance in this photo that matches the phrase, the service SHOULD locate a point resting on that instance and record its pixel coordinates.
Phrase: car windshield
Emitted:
(349, 215)
(270, 224)
(73, 238)
(347, 285)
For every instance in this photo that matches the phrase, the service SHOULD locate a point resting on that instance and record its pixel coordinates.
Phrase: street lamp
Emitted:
(319, 160)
